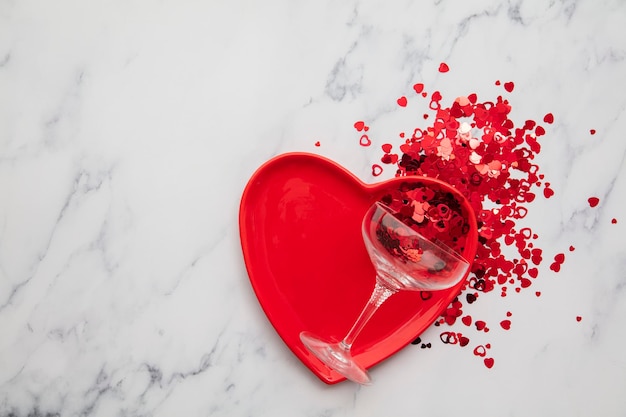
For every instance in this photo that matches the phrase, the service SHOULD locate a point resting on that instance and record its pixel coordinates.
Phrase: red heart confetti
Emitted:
(419, 87)
(489, 362)
(592, 131)
(509, 86)
(593, 201)
(614, 220)
(571, 248)
(443, 67)
(377, 170)
(365, 141)
(480, 350)
(548, 192)
(359, 126)
(402, 101)
(467, 320)
(505, 324)
(449, 338)
(539, 131)
(578, 318)
(548, 118)
(536, 257)
(389, 158)
(317, 143)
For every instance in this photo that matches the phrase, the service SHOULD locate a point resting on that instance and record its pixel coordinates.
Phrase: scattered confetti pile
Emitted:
(475, 146)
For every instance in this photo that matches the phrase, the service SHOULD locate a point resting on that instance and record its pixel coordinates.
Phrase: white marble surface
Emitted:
(129, 129)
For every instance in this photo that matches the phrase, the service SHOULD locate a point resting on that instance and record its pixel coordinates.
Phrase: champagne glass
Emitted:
(403, 260)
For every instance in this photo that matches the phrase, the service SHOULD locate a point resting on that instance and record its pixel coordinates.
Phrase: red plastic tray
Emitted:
(300, 227)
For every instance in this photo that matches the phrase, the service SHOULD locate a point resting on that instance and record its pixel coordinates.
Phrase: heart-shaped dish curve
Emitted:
(300, 228)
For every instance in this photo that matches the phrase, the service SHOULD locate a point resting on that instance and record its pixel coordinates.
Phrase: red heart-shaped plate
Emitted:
(300, 227)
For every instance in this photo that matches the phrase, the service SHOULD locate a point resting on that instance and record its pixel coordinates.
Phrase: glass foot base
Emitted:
(336, 358)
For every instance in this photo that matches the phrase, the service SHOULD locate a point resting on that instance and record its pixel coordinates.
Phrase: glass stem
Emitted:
(378, 297)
